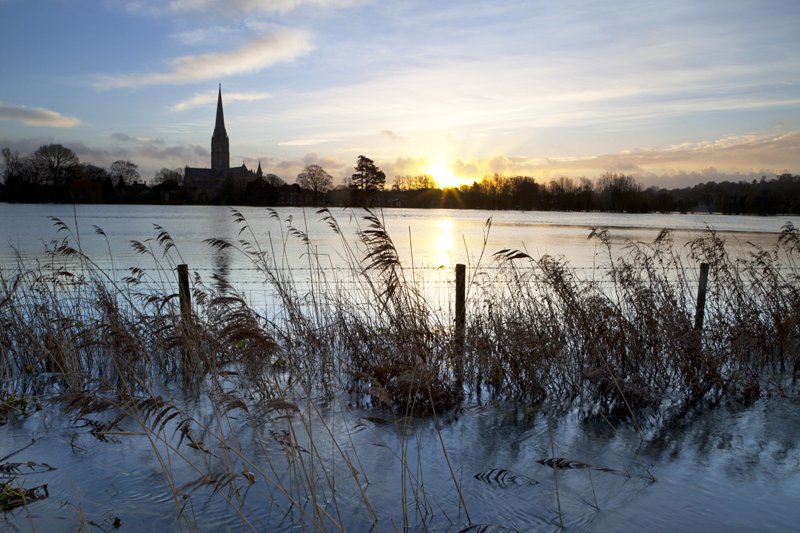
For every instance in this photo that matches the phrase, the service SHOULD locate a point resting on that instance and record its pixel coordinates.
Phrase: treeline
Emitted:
(610, 192)
(53, 173)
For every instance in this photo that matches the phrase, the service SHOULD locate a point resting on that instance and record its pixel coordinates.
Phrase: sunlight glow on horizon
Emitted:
(443, 176)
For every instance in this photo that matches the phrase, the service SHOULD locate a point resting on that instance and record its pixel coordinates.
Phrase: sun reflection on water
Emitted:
(444, 242)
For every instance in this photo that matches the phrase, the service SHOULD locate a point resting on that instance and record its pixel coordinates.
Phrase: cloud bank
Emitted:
(36, 116)
(674, 168)
(731, 158)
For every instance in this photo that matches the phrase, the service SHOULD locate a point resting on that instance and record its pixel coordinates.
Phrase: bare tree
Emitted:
(92, 172)
(12, 165)
(410, 183)
(165, 174)
(314, 178)
(617, 191)
(400, 183)
(274, 180)
(54, 161)
(124, 170)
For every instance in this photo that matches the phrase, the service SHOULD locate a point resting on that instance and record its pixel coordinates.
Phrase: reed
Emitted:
(121, 357)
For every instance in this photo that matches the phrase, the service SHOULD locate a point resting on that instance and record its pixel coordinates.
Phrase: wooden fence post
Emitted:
(185, 295)
(701, 297)
(461, 313)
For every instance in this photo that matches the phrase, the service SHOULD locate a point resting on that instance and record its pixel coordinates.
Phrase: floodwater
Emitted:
(425, 239)
(731, 468)
(431, 237)
(727, 468)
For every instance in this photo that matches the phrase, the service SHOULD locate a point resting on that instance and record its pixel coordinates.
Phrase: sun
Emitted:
(442, 175)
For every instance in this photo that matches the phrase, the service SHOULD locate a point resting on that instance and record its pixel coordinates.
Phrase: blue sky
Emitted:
(673, 93)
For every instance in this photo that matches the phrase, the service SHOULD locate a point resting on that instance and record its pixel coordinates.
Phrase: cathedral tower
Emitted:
(220, 145)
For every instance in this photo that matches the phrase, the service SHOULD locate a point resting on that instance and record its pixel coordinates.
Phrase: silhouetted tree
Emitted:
(12, 165)
(85, 191)
(256, 192)
(91, 172)
(167, 174)
(54, 162)
(124, 170)
(18, 177)
(562, 190)
(108, 191)
(315, 179)
(367, 181)
(410, 183)
(525, 192)
(584, 195)
(618, 192)
(274, 180)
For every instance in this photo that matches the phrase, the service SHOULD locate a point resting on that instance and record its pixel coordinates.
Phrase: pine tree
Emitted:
(367, 181)
(368, 177)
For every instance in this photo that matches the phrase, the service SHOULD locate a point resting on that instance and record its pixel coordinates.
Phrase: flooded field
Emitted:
(731, 468)
(577, 395)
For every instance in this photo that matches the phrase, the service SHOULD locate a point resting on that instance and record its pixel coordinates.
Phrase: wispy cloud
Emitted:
(122, 137)
(255, 5)
(180, 129)
(394, 137)
(217, 33)
(230, 7)
(210, 97)
(259, 54)
(306, 142)
(203, 35)
(37, 116)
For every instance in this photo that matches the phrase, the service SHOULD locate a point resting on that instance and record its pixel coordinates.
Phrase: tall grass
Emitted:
(536, 331)
(630, 336)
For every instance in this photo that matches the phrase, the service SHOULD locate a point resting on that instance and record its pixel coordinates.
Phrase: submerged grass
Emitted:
(106, 350)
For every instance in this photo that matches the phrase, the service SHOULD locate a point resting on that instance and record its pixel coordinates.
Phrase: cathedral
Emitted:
(213, 178)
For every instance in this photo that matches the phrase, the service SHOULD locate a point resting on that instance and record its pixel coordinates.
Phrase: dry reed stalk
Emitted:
(363, 495)
(447, 459)
(591, 481)
(629, 447)
(555, 470)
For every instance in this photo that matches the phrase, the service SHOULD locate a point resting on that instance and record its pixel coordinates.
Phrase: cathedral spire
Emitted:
(220, 145)
(219, 127)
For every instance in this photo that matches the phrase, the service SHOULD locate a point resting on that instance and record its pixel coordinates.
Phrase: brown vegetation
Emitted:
(536, 330)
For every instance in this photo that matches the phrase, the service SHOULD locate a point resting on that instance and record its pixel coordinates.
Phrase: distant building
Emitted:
(213, 178)
(290, 194)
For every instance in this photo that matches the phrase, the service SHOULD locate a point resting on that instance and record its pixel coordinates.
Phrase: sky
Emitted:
(674, 93)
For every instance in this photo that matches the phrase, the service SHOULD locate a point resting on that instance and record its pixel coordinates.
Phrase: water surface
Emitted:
(728, 468)
(732, 468)
(428, 238)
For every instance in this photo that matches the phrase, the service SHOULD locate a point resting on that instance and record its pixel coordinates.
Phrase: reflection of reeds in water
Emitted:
(535, 330)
